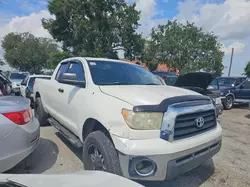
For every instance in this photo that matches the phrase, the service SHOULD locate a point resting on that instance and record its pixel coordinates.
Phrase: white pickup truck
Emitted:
(126, 121)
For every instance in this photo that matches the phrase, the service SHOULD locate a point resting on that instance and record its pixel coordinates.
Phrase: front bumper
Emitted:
(219, 109)
(19, 144)
(171, 158)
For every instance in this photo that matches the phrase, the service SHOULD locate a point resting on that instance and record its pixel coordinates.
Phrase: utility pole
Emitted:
(231, 61)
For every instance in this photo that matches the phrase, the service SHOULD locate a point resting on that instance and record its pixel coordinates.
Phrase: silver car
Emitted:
(19, 131)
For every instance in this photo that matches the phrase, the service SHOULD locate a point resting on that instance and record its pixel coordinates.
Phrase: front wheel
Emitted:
(40, 113)
(99, 153)
(228, 103)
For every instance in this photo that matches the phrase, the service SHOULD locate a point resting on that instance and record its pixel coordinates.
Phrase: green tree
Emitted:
(25, 52)
(94, 28)
(247, 70)
(56, 57)
(185, 47)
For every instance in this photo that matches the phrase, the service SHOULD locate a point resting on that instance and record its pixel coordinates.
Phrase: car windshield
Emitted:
(32, 80)
(117, 73)
(18, 75)
(226, 81)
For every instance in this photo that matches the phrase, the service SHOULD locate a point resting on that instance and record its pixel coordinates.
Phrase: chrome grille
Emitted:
(185, 124)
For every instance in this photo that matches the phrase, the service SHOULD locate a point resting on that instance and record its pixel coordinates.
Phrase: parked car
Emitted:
(79, 179)
(168, 77)
(27, 84)
(236, 94)
(199, 82)
(19, 131)
(221, 83)
(16, 78)
(126, 121)
(5, 85)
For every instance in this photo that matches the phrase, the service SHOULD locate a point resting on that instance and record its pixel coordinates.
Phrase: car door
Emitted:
(23, 86)
(55, 97)
(242, 91)
(72, 98)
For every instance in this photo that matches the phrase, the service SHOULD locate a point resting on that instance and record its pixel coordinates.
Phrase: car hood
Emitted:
(80, 179)
(16, 80)
(195, 79)
(145, 94)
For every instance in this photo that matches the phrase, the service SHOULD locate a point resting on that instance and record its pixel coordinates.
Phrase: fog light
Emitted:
(145, 167)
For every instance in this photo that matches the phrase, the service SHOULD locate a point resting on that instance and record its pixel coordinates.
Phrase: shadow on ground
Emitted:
(240, 106)
(194, 178)
(42, 159)
(76, 151)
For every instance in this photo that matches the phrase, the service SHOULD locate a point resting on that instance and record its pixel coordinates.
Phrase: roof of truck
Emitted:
(96, 59)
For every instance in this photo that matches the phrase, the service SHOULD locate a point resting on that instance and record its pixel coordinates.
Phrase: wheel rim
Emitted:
(229, 102)
(96, 158)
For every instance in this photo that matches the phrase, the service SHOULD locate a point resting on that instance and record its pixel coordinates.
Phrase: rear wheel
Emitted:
(40, 113)
(228, 103)
(99, 153)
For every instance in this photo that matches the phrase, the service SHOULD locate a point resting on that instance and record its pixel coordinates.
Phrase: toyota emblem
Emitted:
(199, 122)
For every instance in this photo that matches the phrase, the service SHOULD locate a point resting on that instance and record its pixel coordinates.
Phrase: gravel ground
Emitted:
(230, 167)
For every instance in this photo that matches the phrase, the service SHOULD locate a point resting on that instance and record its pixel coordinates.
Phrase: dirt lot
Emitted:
(231, 167)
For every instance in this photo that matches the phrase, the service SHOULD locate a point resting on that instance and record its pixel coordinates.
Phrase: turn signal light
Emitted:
(19, 118)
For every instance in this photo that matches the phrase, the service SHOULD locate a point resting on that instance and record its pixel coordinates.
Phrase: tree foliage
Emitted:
(184, 46)
(95, 28)
(26, 52)
(247, 70)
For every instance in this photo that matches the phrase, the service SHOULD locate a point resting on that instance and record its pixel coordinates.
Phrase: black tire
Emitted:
(106, 148)
(40, 113)
(228, 103)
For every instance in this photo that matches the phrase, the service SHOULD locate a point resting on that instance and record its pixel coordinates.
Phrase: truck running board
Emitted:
(75, 141)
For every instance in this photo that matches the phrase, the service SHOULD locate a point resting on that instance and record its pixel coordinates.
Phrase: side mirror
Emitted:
(241, 86)
(70, 78)
(22, 83)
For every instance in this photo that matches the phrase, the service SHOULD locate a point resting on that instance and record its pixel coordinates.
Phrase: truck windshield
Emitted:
(118, 73)
(18, 75)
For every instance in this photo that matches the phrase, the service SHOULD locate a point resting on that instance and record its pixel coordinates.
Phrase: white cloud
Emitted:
(228, 20)
(148, 9)
(238, 48)
(31, 23)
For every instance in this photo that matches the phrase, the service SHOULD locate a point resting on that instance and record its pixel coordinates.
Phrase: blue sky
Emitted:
(229, 20)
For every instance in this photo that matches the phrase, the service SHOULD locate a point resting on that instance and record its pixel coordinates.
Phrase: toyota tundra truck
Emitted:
(126, 121)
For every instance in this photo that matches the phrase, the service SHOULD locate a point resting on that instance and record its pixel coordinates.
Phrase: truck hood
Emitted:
(195, 79)
(144, 94)
(17, 81)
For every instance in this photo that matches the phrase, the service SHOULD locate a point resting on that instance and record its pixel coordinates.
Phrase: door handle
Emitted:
(61, 90)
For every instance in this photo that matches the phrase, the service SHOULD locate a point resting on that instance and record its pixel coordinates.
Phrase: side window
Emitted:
(63, 69)
(246, 84)
(237, 82)
(77, 68)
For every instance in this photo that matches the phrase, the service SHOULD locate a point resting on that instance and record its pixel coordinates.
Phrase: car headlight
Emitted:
(143, 120)
(217, 101)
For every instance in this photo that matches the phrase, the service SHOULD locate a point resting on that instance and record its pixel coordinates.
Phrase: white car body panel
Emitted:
(79, 179)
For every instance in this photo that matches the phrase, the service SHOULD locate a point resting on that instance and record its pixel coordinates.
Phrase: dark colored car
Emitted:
(232, 90)
(236, 94)
(168, 77)
(5, 85)
(198, 82)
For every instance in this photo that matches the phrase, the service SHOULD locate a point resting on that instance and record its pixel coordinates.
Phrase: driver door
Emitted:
(242, 91)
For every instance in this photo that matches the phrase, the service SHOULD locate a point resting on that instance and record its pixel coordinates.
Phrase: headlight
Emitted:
(143, 120)
(218, 101)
